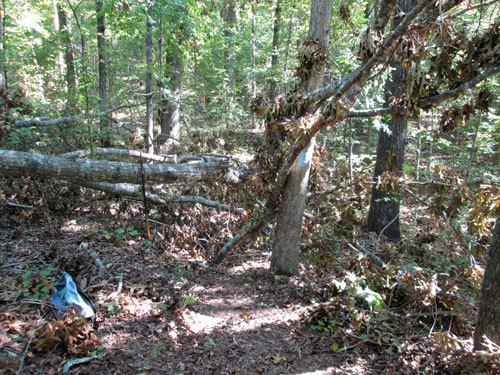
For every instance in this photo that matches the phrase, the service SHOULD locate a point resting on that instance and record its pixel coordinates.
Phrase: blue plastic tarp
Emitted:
(67, 295)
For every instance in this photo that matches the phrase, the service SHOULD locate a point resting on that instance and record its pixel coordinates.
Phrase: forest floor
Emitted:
(162, 310)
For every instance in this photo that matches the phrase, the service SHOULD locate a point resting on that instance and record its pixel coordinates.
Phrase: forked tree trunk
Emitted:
(489, 308)
(383, 216)
(285, 257)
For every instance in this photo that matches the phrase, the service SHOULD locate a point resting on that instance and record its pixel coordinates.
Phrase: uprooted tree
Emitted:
(437, 69)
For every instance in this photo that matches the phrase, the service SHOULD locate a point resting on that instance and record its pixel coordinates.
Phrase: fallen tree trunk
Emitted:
(170, 159)
(15, 163)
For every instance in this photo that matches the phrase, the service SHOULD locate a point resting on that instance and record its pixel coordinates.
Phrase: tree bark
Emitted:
(229, 19)
(489, 308)
(228, 15)
(16, 163)
(170, 94)
(149, 82)
(170, 106)
(3, 70)
(275, 52)
(383, 216)
(288, 44)
(69, 60)
(285, 257)
(253, 51)
(104, 129)
(496, 147)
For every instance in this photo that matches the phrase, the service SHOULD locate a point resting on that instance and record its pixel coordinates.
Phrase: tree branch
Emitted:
(371, 112)
(426, 102)
(132, 190)
(341, 86)
(69, 119)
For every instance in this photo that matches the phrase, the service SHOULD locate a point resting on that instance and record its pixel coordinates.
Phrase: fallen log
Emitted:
(170, 159)
(16, 163)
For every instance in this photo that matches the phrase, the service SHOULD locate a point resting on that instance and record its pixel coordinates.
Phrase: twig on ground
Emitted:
(76, 361)
(367, 252)
(19, 371)
(17, 205)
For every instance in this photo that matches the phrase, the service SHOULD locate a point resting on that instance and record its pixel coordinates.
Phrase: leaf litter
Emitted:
(162, 310)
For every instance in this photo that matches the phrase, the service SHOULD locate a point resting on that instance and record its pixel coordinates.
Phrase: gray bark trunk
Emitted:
(229, 18)
(169, 108)
(3, 74)
(103, 92)
(228, 14)
(286, 243)
(69, 61)
(275, 54)
(489, 308)
(253, 51)
(383, 216)
(15, 163)
(149, 83)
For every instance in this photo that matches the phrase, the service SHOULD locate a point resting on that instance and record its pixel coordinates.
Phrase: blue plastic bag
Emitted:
(67, 295)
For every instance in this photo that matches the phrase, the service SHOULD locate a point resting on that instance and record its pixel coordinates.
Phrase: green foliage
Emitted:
(188, 300)
(114, 308)
(38, 283)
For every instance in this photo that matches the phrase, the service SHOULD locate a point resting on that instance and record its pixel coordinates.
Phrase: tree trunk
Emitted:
(253, 51)
(285, 257)
(3, 68)
(275, 53)
(60, 57)
(229, 19)
(149, 83)
(496, 147)
(288, 43)
(169, 107)
(170, 91)
(383, 216)
(69, 61)
(489, 308)
(16, 163)
(105, 132)
(228, 14)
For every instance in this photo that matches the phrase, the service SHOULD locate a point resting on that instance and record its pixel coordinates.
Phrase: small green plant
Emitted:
(161, 306)
(147, 243)
(188, 300)
(157, 349)
(209, 343)
(124, 232)
(38, 284)
(113, 308)
(98, 353)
